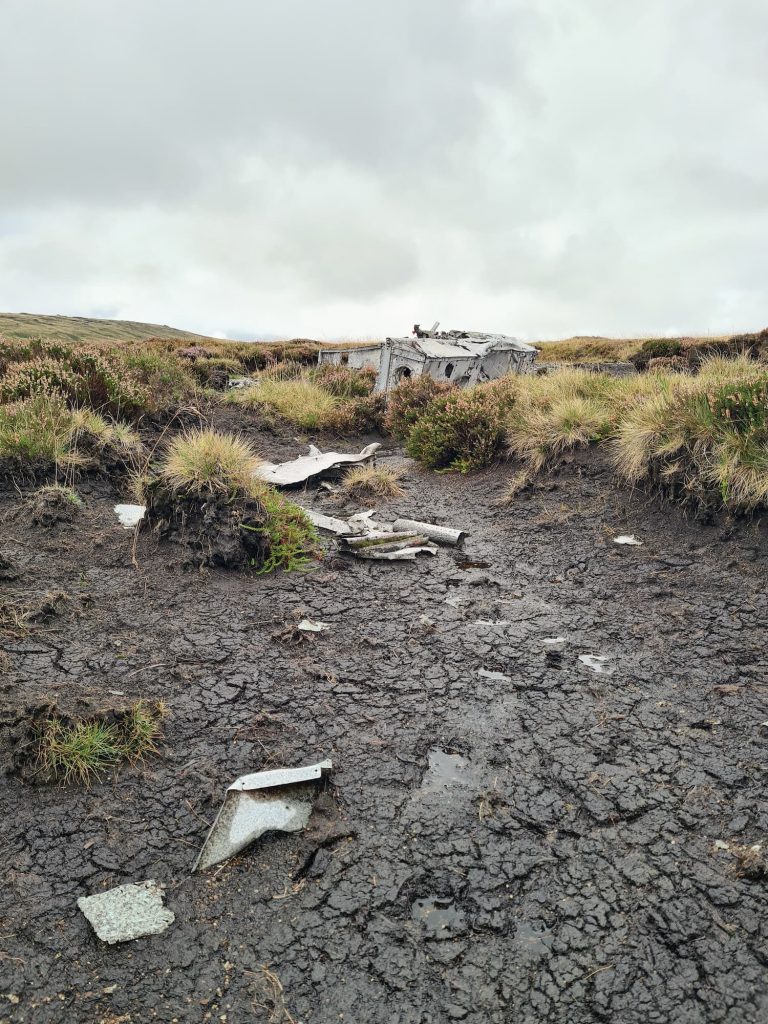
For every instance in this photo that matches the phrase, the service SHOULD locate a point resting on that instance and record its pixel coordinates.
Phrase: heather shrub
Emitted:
(463, 429)
(358, 415)
(409, 400)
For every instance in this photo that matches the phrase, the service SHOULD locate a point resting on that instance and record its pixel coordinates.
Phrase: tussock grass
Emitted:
(299, 400)
(204, 461)
(702, 438)
(82, 751)
(43, 430)
(373, 482)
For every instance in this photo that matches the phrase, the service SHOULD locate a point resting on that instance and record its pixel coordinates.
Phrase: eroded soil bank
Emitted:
(510, 836)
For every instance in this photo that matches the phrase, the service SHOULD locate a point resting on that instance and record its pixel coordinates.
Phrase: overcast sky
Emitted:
(345, 168)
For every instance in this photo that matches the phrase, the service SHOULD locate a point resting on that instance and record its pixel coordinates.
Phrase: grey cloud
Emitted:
(535, 166)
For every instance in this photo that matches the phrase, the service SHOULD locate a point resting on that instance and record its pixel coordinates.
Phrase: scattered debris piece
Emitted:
(553, 641)
(629, 539)
(242, 382)
(127, 912)
(338, 526)
(720, 844)
(597, 662)
(389, 546)
(262, 802)
(492, 622)
(498, 677)
(130, 515)
(298, 471)
(439, 534)
(310, 626)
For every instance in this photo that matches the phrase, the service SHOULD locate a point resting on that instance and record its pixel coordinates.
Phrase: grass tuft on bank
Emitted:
(83, 751)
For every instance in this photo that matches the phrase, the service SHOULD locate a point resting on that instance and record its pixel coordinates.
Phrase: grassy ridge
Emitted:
(80, 328)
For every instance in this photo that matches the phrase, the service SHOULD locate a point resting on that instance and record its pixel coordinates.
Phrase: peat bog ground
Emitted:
(508, 833)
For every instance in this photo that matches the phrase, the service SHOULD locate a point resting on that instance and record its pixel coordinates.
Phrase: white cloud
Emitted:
(348, 168)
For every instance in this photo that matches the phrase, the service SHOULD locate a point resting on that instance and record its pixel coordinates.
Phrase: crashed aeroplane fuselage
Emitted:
(461, 357)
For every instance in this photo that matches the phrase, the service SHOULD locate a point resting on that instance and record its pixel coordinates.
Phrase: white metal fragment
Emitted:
(498, 677)
(720, 844)
(130, 515)
(338, 526)
(297, 471)
(310, 626)
(127, 912)
(258, 803)
(398, 554)
(628, 538)
(441, 534)
(551, 641)
(597, 662)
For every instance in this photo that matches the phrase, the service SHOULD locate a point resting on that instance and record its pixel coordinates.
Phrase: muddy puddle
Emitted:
(507, 833)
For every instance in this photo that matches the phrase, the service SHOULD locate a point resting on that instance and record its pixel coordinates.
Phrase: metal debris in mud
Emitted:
(497, 677)
(310, 626)
(439, 534)
(628, 538)
(387, 546)
(279, 800)
(553, 641)
(127, 912)
(298, 471)
(598, 663)
(363, 536)
(440, 917)
(130, 515)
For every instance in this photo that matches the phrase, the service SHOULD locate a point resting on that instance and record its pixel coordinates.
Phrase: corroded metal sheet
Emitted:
(297, 471)
(279, 800)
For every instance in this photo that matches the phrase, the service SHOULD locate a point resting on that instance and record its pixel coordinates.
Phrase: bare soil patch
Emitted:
(509, 834)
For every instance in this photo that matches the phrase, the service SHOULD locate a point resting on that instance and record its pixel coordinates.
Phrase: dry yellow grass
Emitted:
(297, 399)
(204, 460)
(373, 482)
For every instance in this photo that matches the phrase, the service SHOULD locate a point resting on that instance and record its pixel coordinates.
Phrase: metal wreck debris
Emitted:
(388, 546)
(298, 471)
(629, 539)
(130, 515)
(599, 663)
(127, 912)
(461, 357)
(311, 626)
(279, 800)
(439, 534)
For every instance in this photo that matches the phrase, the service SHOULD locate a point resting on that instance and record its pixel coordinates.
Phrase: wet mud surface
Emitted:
(509, 834)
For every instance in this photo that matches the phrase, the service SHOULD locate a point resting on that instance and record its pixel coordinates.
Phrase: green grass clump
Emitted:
(205, 461)
(299, 400)
(344, 382)
(292, 541)
(562, 410)
(42, 431)
(702, 439)
(83, 751)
